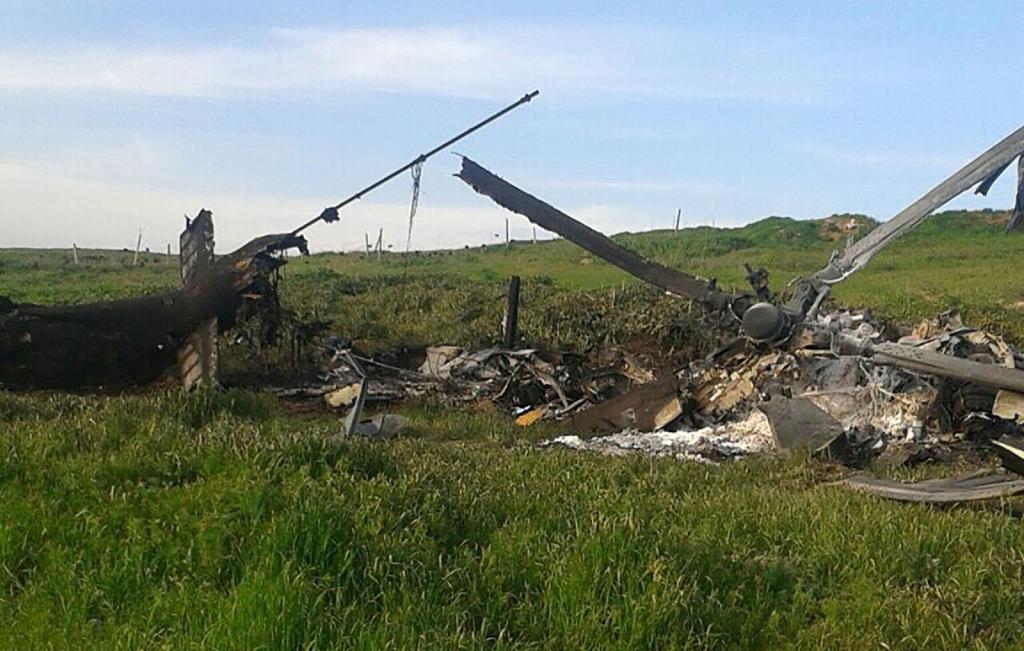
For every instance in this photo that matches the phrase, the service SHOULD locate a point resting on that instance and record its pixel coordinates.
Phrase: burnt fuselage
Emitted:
(133, 341)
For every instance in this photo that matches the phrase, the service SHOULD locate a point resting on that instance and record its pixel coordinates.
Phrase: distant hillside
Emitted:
(767, 232)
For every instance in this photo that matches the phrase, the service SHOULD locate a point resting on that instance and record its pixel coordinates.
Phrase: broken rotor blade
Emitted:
(983, 485)
(980, 170)
(330, 214)
(550, 218)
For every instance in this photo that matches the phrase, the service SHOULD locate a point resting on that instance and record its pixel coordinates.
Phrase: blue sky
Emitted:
(117, 116)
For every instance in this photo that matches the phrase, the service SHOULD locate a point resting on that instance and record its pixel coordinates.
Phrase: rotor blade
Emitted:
(330, 213)
(548, 217)
(977, 171)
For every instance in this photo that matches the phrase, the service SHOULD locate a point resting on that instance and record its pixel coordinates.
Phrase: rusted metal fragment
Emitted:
(982, 485)
(197, 357)
(548, 217)
(130, 342)
(639, 408)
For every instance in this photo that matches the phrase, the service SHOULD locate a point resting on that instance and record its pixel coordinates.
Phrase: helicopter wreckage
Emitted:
(794, 377)
(790, 375)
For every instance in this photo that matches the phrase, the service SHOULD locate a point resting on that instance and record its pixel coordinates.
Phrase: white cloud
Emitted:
(448, 61)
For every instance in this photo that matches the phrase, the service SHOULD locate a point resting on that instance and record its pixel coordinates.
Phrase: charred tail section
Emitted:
(197, 357)
(133, 342)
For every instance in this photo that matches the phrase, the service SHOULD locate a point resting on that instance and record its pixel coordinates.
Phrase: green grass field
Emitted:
(217, 521)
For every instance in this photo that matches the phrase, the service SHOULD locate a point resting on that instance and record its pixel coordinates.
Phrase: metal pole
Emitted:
(330, 214)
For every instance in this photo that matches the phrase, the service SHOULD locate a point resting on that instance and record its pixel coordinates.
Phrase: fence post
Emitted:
(511, 321)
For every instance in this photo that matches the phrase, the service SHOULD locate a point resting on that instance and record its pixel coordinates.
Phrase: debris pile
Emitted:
(743, 399)
(528, 384)
(836, 384)
(808, 395)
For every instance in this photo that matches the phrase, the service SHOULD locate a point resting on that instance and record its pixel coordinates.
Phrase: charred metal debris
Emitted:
(136, 341)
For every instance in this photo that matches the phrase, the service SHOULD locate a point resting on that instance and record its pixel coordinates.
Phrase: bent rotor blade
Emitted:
(550, 218)
(981, 170)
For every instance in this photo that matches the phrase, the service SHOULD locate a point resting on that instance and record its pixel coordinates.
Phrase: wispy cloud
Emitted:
(641, 185)
(886, 158)
(112, 212)
(450, 61)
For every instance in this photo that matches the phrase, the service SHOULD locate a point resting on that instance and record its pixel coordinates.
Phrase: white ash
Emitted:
(709, 444)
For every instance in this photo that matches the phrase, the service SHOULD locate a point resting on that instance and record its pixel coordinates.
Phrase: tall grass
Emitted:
(132, 522)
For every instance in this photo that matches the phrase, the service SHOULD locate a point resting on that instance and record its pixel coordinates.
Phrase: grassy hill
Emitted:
(222, 521)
